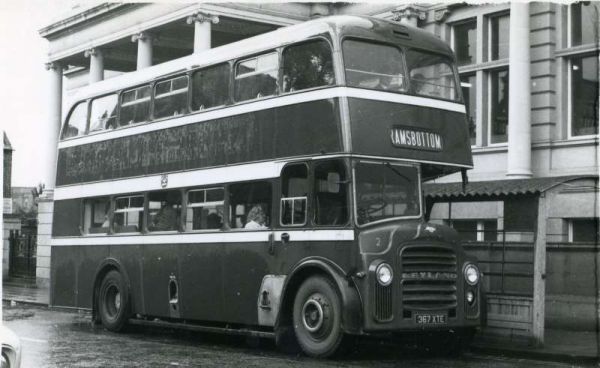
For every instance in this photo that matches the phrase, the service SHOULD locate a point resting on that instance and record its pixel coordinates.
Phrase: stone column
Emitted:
(519, 101)
(51, 130)
(96, 64)
(409, 15)
(144, 49)
(202, 30)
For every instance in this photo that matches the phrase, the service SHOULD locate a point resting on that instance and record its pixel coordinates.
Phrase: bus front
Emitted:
(407, 124)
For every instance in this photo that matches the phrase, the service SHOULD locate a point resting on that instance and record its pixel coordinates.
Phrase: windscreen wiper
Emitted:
(389, 166)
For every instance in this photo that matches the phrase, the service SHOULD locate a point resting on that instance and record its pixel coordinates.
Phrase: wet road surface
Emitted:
(52, 338)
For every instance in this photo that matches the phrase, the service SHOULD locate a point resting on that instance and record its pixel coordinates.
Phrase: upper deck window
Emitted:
(103, 115)
(431, 75)
(374, 66)
(135, 106)
(256, 77)
(307, 65)
(384, 190)
(170, 97)
(77, 121)
(210, 87)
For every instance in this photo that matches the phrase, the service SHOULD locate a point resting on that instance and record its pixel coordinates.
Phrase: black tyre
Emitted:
(317, 317)
(113, 301)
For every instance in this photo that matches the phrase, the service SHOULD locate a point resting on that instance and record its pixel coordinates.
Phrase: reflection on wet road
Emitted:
(52, 338)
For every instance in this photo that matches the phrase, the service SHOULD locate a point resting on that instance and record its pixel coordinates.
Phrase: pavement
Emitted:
(559, 345)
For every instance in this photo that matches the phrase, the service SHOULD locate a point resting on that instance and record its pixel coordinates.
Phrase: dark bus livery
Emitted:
(271, 186)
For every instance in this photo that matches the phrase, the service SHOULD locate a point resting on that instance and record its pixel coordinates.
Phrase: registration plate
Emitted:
(431, 319)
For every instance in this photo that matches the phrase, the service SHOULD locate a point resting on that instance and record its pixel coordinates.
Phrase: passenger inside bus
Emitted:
(256, 219)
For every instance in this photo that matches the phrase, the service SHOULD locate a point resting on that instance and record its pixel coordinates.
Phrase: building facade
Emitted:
(529, 76)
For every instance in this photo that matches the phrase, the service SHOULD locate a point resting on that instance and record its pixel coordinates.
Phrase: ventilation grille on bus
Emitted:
(428, 278)
(383, 302)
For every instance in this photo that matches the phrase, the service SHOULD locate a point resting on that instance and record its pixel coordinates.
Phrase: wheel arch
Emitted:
(102, 270)
(351, 305)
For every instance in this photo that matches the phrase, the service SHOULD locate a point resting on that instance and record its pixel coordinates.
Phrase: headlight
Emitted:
(471, 274)
(4, 361)
(384, 274)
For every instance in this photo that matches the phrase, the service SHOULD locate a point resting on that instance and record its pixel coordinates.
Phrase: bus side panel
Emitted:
(243, 270)
(66, 218)
(63, 275)
(201, 281)
(247, 263)
(89, 259)
(130, 258)
(159, 264)
(301, 129)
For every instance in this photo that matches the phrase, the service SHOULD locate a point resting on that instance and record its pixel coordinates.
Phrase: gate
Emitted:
(23, 247)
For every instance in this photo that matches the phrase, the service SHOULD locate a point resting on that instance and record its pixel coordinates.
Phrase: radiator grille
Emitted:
(428, 278)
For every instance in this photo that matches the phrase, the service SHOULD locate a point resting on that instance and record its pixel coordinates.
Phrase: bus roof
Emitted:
(340, 25)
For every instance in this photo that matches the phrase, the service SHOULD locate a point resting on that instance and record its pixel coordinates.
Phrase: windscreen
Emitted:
(385, 190)
(374, 66)
(431, 75)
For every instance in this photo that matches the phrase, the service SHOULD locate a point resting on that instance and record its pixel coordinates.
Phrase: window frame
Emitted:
(144, 212)
(153, 96)
(382, 162)
(490, 74)
(282, 51)
(87, 119)
(307, 198)
(151, 101)
(234, 77)
(569, 63)
(490, 17)
(453, 39)
(186, 205)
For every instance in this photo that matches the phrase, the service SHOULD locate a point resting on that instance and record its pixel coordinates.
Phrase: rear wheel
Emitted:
(317, 317)
(113, 301)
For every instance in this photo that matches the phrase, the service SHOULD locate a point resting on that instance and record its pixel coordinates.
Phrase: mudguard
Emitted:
(350, 298)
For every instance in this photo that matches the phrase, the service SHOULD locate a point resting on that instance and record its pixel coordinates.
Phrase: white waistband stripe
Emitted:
(205, 238)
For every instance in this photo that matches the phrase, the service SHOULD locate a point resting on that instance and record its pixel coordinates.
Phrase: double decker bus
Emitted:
(271, 187)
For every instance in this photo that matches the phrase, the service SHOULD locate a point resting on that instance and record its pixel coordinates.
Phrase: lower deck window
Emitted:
(95, 218)
(128, 214)
(205, 209)
(250, 205)
(164, 210)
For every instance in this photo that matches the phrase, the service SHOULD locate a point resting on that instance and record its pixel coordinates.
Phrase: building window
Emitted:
(468, 84)
(584, 23)
(205, 209)
(584, 230)
(499, 32)
(465, 42)
(499, 106)
(476, 230)
(103, 114)
(584, 95)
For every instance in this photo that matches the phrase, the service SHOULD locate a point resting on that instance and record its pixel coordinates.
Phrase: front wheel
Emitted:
(317, 317)
(113, 301)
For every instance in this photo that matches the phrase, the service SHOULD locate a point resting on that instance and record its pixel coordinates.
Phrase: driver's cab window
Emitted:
(294, 194)
(250, 205)
(331, 199)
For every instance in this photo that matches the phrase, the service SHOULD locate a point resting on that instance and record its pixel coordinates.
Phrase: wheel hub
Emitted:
(312, 315)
